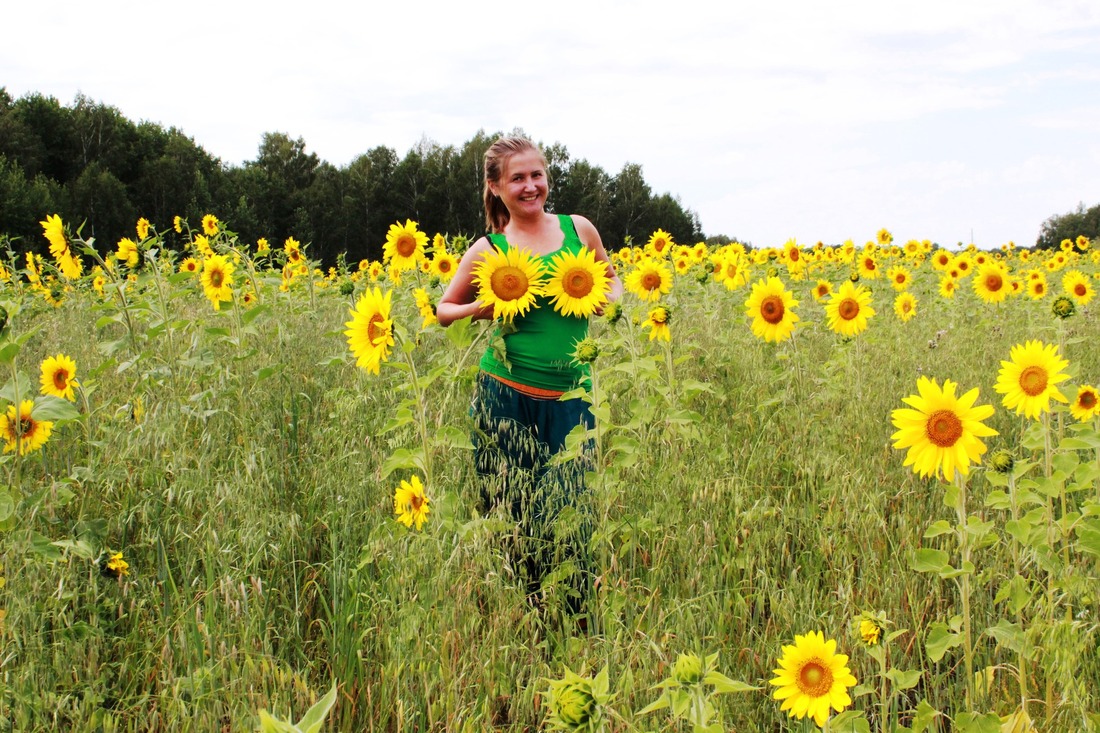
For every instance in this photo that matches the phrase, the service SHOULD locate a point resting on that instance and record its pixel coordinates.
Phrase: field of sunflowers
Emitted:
(853, 487)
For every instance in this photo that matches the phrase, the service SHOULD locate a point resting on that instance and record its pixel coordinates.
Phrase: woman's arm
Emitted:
(591, 238)
(460, 298)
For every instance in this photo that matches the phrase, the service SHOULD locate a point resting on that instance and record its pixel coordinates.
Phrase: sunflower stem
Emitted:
(1021, 658)
(964, 589)
(1047, 470)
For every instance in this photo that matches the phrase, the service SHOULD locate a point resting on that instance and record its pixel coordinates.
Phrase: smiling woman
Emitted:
(521, 422)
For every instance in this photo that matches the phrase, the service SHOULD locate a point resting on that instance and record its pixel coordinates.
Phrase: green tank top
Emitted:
(540, 347)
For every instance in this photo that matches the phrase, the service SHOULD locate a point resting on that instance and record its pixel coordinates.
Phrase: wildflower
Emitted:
(649, 280)
(849, 309)
(404, 245)
(941, 430)
(508, 281)
(1086, 405)
(58, 377)
(658, 320)
(812, 678)
(577, 284)
(410, 505)
(217, 280)
(111, 565)
(1029, 379)
(23, 432)
(771, 307)
(370, 330)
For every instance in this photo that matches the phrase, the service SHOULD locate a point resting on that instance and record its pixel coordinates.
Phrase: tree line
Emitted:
(92, 165)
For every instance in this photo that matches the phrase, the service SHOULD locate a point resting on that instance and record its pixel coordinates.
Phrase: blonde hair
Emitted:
(496, 157)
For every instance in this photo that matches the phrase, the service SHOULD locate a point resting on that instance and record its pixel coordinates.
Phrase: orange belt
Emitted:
(537, 393)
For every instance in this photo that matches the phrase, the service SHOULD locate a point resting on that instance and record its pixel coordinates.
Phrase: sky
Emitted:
(949, 120)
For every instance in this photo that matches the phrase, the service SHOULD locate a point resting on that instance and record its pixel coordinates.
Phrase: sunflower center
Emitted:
(993, 282)
(772, 309)
(216, 278)
(1080, 290)
(509, 283)
(815, 679)
(1033, 380)
(26, 425)
(61, 378)
(1087, 401)
(415, 502)
(651, 280)
(374, 331)
(659, 316)
(731, 271)
(405, 245)
(869, 264)
(794, 255)
(944, 428)
(445, 266)
(577, 283)
(899, 279)
(906, 306)
(848, 309)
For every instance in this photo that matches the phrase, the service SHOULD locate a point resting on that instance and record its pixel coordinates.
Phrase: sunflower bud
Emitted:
(1063, 307)
(869, 631)
(576, 703)
(688, 669)
(1002, 460)
(586, 352)
(854, 276)
(347, 287)
(613, 312)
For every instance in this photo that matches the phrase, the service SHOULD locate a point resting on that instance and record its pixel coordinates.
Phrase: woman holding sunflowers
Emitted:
(540, 276)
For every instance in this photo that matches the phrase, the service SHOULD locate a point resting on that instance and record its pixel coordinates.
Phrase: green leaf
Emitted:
(315, 717)
(1008, 635)
(250, 315)
(41, 546)
(50, 408)
(923, 717)
(723, 683)
(660, 703)
(402, 459)
(938, 528)
(269, 724)
(904, 680)
(929, 560)
(7, 505)
(940, 640)
(850, 721)
(451, 437)
(1088, 537)
(977, 723)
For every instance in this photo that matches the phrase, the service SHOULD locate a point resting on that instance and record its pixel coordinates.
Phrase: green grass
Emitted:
(750, 494)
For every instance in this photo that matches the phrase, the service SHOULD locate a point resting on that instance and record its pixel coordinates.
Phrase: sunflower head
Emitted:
(586, 351)
(1063, 307)
(1002, 460)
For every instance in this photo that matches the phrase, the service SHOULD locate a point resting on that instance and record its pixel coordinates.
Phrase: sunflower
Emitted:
(771, 307)
(114, 566)
(425, 307)
(577, 284)
(508, 281)
(942, 431)
(899, 277)
(410, 505)
(1029, 381)
(649, 280)
(210, 225)
(868, 266)
(992, 283)
(948, 287)
(142, 228)
(127, 252)
(822, 290)
(217, 280)
(1082, 242)
(1076, 284)
(404, 246)
(54, 231)
(370, 330)
(292, 248)
(658, 320)
(884, 237)
(812, 678)
(848, 310)
(262, 246)
(731, 270)
(444, 265)
(189, 265)
(1037, 287)
(660, 242)
(177, 224)
(59, 377)
(1087, 403)
(941, 260)
(23, 431)
(905, 306)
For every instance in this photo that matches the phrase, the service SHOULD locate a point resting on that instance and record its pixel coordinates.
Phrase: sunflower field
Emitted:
(848, 487)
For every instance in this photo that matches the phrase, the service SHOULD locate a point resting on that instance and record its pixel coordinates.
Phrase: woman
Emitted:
(520, 419)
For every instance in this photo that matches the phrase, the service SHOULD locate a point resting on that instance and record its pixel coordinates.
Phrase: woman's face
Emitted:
(523, 187)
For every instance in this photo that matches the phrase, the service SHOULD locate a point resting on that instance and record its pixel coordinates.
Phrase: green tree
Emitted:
(1069, 226)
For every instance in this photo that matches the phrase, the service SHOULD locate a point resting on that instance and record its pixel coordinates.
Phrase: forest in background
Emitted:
(89, 163)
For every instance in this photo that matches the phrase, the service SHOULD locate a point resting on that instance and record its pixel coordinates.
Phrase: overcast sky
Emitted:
(813, 120)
